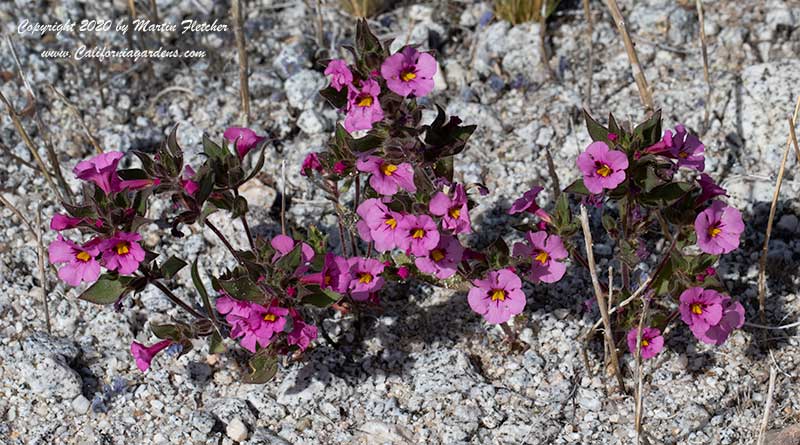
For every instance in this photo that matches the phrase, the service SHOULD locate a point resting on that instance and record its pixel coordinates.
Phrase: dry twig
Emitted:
(704, 48)
(601, 303)
(639, 393)
(762, 270)
(636, 67)
(767, 407)
(78, 116)
(238, 31)
(42, 274)
(587, 11)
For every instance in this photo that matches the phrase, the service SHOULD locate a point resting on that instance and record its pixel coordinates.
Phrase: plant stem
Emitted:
(238, 31)
(177, 300)
(223, 239)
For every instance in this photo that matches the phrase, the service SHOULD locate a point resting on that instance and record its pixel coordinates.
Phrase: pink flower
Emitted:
(718, 228)
(339, 167)
(302, 333)
(244, 138)
(602, 168)
(403, 272)
(710, 315)
(335, 274)
(81, 263)
(122, 252)
(454, 211)
(236, 313)
(701, 308)
(143, 355)
(710, 271)
(378, 224)
(102, 170)
(544, 252)
(61, 222)
(188, 184)
(283, 245)
(386, 177)
(652, 342)
(262, 324)
(442, 261)
(340, 74)
(417, 234)
(684, 147)
(363, 107)
(709, 189)
(409, 72)
(365, 277)
(311, 162)
(527, 203)
(498, 297)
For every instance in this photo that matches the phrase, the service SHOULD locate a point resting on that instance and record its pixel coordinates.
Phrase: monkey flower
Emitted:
(652, 342)
(101, 170)
(244, 138)
(498, 297)
(340, 74)
(378, 224)
(409, 72)
(363, 106)
(442, 262)
(545, 252)
(718, 228)
(365, 277)
(143, 355)
(602, 168)
(417, 234)
(81, 263)
(122, 252)
(454, 211)
(387, 178)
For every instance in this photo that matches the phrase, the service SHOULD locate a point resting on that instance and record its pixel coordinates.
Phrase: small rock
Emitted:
(81, 404)
(52, 377)
(311, 122)
(381, 432)
(788, 223)
(236, 430)
(302, 89)
(264, 436)
(202, 421)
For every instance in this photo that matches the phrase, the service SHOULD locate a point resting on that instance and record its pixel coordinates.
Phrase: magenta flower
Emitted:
(335, 274)
(262, 324)
(732, 318)
(417, 234)
(403, 272)
(81, 263)
(454, 211)
(340, 74)
(61, 222)
(442, 261)
(409, 72)
(244, 138)
(527, 203)
(386, 177)
(378, 224)
(283, 245)
(701, 308)
(339, 167)
(102, 170)
(363, 106)
(311, 162)
(684, 147)
(122, 252)
(708, 189)
(188, 184)
(602, 168)
(143, 355)
(365, 277)
(302, 333)
(236, 313)
(545, 252)
(498, 297)
(718, 228)
(652, 342)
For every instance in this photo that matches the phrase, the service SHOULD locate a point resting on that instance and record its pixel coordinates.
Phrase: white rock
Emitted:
(81, 404)
(236, 430)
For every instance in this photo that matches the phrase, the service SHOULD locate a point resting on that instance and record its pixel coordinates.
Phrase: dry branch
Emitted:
(630, 49)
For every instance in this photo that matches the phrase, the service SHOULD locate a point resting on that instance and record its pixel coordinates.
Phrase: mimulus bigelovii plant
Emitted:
(401, 215)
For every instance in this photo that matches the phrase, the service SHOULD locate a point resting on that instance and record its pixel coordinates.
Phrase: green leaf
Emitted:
(577, 188)
(172, 266)
(263, 367)
(291, 260)
(212, 150)
(107, 289)
(242, 288)
(596, 131)
(239, 207)
(259, 163)
(667, 194)
(338, 99)
(649, 131)
(79, 211)
(550, 8)
(201, 288)
(322, 299)
(176, 332)
(215, 344)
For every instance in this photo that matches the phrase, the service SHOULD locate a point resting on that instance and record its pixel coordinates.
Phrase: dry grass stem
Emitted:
(551, 168)
(638, 74)
(601, 303)
(42, 274)
(639, 393)
(79, 117)
(238, 31)
(767, 407)
(762, 270)
(587, 11)
(706, 76)
(29, 143)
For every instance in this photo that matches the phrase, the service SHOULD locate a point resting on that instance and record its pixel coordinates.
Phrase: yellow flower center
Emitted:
(408, 76)
(122, 248)
(365, 278)
(327, 279)
(645, 343)
(388, 169)
(542, 257)
(604, 170)
(83, 256)
(455, 212)
(270, 317)
(365, 101)
(697, 309)
(437, 255)
(417, 234)
(714, 231)
(683, 155)
(391, 222)
(498, 294)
